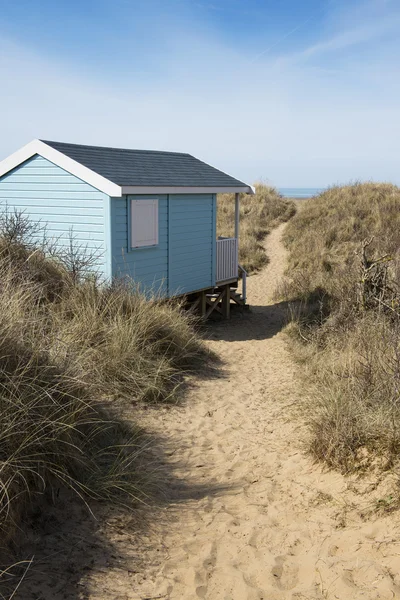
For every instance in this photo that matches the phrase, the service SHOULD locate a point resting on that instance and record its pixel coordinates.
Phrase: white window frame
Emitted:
(134, 202)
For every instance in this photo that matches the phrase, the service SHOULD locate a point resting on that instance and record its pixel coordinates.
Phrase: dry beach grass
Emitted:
(71, 351)
(348, 322)
(245, 513)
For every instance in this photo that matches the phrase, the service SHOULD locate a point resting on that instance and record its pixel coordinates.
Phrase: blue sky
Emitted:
(297, 92)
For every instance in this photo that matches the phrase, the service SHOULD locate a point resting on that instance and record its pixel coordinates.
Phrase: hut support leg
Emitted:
(226, 302)
(213, 304)
(203, 304)
(237, 215)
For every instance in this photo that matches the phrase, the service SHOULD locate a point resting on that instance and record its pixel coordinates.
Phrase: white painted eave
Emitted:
(64, 162)
(133, 189)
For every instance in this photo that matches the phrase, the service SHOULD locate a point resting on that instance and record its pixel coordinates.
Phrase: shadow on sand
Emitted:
(255, 323)
(69, 543)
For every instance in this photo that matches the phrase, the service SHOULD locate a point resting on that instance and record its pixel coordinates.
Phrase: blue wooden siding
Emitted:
(191, 242)
(183, 261)
(62, 203)
(146, 266)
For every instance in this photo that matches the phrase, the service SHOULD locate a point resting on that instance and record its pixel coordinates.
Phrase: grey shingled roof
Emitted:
(146, 167)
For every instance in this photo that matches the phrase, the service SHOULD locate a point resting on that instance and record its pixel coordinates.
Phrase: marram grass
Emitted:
(73, 353)
(350, 351)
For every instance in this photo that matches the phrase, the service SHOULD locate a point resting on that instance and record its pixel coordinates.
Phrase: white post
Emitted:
(237, 215)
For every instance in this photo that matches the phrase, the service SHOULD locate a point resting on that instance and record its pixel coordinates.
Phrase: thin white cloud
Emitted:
(345, 40)
(348, 39)
(291, 32)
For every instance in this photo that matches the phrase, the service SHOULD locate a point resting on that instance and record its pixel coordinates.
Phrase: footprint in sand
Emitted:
(285, 572)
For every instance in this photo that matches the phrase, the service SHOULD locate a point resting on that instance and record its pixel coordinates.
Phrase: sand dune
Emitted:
(249, 516)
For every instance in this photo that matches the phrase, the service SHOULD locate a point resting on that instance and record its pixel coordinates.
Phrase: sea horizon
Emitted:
(299, 192)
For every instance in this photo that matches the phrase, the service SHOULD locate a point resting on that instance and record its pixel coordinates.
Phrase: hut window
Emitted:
(144, 223)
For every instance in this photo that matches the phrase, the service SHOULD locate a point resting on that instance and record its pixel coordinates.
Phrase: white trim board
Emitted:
(132, 189)
(63, 161)
(98, 181)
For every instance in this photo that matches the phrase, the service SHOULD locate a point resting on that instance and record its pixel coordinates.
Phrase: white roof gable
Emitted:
(63, 161)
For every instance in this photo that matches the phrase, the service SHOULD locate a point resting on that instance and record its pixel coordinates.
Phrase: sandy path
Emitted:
(281, 528)
(249, 516)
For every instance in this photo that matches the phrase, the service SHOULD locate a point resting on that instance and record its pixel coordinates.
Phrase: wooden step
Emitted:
(236, 297)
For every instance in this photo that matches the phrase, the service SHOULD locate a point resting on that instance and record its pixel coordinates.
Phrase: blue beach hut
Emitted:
(151, 215)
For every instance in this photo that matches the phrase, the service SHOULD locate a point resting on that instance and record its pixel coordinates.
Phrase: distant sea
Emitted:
(299, 192)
